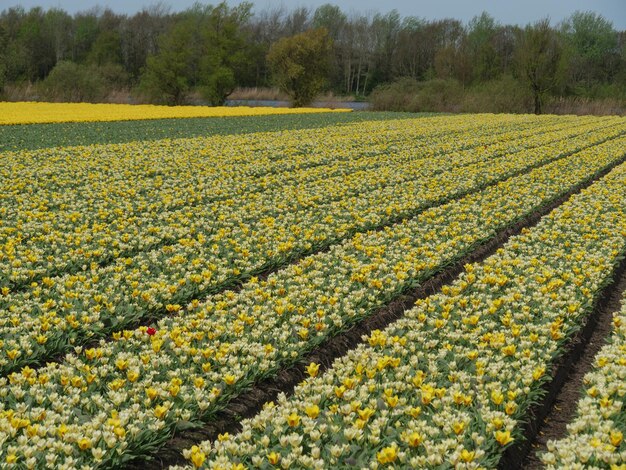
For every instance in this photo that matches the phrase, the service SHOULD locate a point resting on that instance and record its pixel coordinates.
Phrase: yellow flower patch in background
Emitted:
(35, 112)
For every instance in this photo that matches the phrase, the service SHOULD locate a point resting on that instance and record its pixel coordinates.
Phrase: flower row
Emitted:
(134, 206)
(119, 399)
(595, 437)
(72, 309)
(449, 384)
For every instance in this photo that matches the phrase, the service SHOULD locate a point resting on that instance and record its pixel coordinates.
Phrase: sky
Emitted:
(505, 11)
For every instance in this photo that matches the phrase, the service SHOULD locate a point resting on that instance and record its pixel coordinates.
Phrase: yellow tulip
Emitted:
(197, 457)
(312, 369)
(312, 411)
(503, 437)
(387, 455)
(273, 458)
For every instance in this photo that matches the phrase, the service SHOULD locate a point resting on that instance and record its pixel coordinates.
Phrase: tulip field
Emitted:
(146, 284)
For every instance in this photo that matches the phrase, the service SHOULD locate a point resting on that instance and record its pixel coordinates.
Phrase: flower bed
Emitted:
(230, 245)
(120, 399)
(117, 200)
(450, 383)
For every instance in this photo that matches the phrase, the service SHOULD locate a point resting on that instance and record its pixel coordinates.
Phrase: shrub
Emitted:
(501, 95)
(407, 94)
(71, 82)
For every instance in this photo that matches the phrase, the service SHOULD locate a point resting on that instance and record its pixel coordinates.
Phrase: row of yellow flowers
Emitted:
(595, 438)
(63, 209)
(105, 404)
(41, 112)
(449, 384)
(232, 242)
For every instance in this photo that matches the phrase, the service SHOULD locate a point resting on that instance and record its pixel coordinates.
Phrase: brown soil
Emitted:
(250, 402)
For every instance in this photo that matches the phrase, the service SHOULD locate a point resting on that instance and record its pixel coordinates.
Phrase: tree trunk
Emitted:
(537, 102)
(358, 77)
(367, 75)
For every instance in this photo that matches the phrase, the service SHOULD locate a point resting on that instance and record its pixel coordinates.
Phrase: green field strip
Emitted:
(34, 257)
(34, 136)
(121, 399)
(449, 385)
(60, 313)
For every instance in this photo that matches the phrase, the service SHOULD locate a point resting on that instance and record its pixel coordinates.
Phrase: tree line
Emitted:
(165, 56)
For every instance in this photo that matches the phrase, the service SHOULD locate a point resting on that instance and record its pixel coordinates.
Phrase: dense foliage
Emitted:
(300, 64)
(207, 51)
